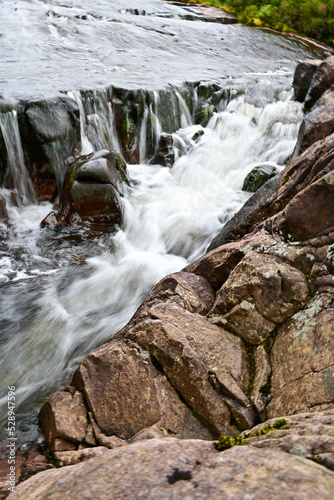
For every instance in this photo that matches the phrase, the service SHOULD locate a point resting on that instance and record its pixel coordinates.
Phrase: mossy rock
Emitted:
(205, 114)
(258, 176)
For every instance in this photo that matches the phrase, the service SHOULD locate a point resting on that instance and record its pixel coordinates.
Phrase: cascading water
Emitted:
(17, 175)
(62, 300)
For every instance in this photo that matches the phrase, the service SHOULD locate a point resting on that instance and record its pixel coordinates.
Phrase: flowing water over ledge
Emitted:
(64, 294)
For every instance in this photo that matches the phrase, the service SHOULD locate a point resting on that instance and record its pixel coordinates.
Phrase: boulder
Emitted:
(302, 360)
(318, 122)
(63, 416)
(50, 132)
(172, 468)
(170, 148)
(258, 176)
(308, 214)
(304, 73)
(261, 292)
(92, 189)
(322, 81)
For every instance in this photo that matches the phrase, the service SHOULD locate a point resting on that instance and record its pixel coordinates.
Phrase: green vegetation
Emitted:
(226, 442)
(311, 18)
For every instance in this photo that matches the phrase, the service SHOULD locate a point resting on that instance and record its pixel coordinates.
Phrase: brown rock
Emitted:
(262, 381)
(190, 351)
(3, 208)
(109, 377)
(173, 469)
(302, 360)
(274, 288)
(63, 416)
(309, 435)
(308, 214)
(188, 290)
(318, 123)
(323, 79)
(74, 457)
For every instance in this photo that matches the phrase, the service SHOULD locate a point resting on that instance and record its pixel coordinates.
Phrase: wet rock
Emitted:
(170, 148)
(50, 132)
(170, 468)
(63, 416)
(52, 220)
(304, 73)
(3, 208)
(275, 195)
(258, 176)
(254, 211)
(318, 123)
(322, 80)
(309, 213)
(92, 188)
(26, 465)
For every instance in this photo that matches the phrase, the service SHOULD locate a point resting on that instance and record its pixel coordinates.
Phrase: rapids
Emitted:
(63, 295)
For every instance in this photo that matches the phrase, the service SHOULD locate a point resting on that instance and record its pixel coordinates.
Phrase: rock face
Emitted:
(284, 466)
(241, 335)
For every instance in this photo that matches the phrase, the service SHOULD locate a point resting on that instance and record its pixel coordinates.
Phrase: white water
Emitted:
(61, 299)
(17, 174)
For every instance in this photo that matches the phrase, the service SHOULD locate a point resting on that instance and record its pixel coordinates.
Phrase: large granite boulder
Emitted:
(283, 463)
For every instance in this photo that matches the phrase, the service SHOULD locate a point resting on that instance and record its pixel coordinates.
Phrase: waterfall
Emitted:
(90, 290)
(17, 175)
(86, 146)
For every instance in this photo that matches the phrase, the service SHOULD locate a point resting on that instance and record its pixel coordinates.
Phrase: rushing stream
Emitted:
(62, 296)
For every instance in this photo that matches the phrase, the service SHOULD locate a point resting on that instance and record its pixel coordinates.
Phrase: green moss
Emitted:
(128, 130)
(226, 442)
(197, 135)
(285, 180)
(205, 113)
(279, 424)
